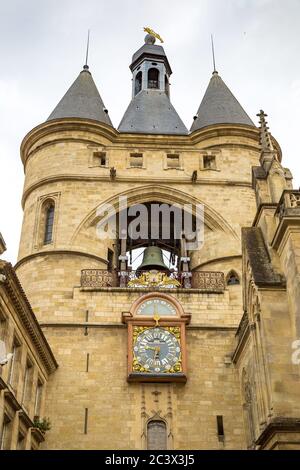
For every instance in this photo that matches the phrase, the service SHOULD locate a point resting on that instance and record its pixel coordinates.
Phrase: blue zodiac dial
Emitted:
(157, 350)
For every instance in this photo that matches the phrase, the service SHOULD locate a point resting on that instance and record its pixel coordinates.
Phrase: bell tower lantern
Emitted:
(150, 68)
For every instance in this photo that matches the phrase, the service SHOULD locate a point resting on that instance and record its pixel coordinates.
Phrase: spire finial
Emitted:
(213, 54)
(264, 135)
(86, 67)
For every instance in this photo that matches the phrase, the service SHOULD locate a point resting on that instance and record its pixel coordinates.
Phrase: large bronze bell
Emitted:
(153, 259)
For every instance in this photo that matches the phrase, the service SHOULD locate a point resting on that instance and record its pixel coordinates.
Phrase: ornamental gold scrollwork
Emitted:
(154, 279)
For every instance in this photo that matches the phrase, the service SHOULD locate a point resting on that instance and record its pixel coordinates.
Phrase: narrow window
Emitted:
(136, 160)
(14, 364)
(87, 362)
(99, 159)
(156, 435)
(209, 162)
(6, 433)
(138, 83)
(153, 78)
(28, 382)
(110, 258)
(38, 399)
(86, 416)
(232, 279)
(173, 160)
(49, 220)
(220, 428)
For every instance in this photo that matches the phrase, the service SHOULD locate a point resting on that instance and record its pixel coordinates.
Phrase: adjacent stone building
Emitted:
(23, 379)
(236, 298)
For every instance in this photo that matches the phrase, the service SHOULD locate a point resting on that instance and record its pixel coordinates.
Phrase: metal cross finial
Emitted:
(264, 137)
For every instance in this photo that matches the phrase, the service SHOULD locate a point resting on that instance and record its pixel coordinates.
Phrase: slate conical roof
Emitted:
(219, 106)
(82, 100)
(151, 112)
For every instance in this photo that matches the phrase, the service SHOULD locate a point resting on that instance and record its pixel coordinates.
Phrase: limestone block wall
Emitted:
(118, 411)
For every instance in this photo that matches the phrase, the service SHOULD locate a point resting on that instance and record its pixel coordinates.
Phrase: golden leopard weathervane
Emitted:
(153, 33)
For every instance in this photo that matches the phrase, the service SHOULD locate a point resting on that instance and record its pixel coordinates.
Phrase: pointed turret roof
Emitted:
(151, 112)
(82, 100)
(219, 106)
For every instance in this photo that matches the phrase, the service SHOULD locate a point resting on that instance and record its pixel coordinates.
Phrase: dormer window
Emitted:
(138, 83)
(153, 78)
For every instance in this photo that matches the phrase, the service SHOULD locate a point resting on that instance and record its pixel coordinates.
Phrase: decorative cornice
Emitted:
(150, 289)
(132, 179)
(103, 130)
(25, 313)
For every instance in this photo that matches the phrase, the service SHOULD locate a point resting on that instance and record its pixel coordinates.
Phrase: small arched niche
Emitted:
(156, 435)
(153, 78)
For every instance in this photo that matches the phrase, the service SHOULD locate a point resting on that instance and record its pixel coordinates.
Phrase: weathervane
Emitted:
(153, 33)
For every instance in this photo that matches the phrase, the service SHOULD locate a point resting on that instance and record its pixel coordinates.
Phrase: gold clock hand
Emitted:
(156, 352)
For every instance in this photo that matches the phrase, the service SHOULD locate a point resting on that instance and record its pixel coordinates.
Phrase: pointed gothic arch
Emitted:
(232, 278)
(147, 193)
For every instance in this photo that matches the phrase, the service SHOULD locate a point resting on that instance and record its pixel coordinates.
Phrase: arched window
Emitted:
(153, 78)
(138, 83)
(167, 86)
(233, 279)
(49, 220)
(156, 435)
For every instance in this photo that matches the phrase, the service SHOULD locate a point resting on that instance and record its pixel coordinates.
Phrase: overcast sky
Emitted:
(42, 50)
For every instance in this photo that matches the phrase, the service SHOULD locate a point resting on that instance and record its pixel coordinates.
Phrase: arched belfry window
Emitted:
(49, 221)
(138, 83)
(233, 279)
(153, 78)
(156, 435)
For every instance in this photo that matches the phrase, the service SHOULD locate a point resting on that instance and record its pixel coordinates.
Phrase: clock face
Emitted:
(158, 307)
(157, 350)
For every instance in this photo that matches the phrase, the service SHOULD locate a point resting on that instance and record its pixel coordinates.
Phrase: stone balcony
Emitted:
(289, 204)
(207, 281)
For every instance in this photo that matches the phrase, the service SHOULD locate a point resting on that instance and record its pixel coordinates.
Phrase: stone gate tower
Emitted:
(150, 357)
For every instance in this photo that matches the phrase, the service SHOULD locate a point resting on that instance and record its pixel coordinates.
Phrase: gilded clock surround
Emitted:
(139, 331)
(174, 325)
